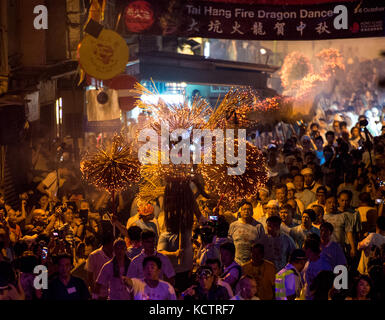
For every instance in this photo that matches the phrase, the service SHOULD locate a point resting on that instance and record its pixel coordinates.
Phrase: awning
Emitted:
(173, 67)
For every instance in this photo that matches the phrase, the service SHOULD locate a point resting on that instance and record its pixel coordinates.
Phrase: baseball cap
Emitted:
(272, 203)
(306, 171)
(297, 254)
(290, 186)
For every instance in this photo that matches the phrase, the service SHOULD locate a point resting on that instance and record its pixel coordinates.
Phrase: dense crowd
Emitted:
(322, 208)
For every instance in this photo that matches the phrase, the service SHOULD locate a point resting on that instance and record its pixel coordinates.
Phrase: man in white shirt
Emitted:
(278, 245)
(299, 233)
(372, 240)
(342, 224)
(321, 198)
(135, 269)
(95, 262)
(310, 183)
(150, 287)
(305, 195)
(245, 232)
(286, 214)
(294, 202)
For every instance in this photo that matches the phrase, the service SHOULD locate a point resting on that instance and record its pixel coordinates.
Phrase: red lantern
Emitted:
(139, 16)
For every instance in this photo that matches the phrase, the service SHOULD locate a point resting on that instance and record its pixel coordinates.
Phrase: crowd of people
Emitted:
(322, 207)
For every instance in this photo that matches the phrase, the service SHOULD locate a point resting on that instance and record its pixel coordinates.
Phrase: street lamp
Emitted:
(266, 52)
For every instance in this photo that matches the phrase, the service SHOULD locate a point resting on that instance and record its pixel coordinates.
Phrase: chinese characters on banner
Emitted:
(215, 19)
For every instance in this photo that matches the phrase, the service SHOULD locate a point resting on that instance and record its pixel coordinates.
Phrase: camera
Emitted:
(44, 253)
(364, 123)
(205, 230)
(60, 210)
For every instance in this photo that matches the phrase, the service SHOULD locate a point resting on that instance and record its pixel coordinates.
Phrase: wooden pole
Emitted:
(180, 243)
(4, 67)
(113, 210)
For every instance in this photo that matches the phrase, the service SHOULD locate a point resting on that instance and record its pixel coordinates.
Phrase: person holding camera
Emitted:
(64, 222)
(207, 249)
(207, 288)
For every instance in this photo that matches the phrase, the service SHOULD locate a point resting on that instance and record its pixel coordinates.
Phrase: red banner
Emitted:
(234, 19)
(278, 2)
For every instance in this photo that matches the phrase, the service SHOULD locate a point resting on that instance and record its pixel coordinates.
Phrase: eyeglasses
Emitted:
(205, 274)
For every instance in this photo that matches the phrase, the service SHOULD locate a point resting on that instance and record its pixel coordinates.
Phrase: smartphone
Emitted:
(83, 214)
(379, 201)
(214, 218)
(55, 234)
(44, 253)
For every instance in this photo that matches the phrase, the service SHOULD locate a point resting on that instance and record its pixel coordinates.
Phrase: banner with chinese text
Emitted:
(245, 21)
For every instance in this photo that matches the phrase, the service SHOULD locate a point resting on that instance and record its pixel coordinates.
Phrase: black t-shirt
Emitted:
(76, 289)
(216, 293)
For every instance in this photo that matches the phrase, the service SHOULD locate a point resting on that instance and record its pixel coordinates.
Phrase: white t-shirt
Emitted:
(135, 270)
(142, 291)
(306, 196)
(373, 239)
(95, 261)
(117, 290)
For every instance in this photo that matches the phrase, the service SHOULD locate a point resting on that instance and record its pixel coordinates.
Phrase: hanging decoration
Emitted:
(95, 13)
(104, 57)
